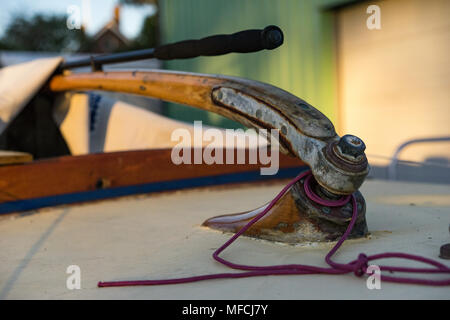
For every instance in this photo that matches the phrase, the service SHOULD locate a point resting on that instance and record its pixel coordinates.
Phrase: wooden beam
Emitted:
(72, 174)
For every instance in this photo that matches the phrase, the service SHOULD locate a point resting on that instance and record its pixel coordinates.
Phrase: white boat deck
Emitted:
(159, 236)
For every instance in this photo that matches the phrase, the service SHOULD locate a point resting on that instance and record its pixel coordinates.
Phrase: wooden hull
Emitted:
(72, 179)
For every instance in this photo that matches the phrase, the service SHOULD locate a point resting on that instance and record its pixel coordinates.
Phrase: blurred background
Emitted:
(388, 85)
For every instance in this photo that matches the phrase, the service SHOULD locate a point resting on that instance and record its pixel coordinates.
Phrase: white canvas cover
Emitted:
(19, 83)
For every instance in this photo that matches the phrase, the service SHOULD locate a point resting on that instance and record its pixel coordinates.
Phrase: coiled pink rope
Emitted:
(358, 266)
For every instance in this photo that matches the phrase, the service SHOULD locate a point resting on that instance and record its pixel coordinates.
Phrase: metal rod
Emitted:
(99, 60)
(269, 38)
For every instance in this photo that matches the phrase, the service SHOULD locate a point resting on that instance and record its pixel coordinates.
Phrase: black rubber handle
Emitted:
(269, 38)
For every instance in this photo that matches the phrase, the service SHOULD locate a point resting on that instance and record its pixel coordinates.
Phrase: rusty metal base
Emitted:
(296, 219)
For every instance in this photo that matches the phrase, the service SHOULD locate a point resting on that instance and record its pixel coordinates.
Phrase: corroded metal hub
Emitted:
(331, 221)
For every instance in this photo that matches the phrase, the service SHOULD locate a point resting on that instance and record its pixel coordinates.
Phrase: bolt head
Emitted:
(351, 145)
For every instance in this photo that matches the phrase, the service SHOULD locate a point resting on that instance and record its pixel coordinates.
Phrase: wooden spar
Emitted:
(177, 87)
(278, 109)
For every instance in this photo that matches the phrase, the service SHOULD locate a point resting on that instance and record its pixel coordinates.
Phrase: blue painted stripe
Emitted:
(249, 176)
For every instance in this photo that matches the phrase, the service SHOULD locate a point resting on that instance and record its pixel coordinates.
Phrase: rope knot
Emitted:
(361, 265)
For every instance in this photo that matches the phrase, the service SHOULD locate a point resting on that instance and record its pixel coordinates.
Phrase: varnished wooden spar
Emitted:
(74, 174)
(176, 87)
(252, 103)
(185, 88)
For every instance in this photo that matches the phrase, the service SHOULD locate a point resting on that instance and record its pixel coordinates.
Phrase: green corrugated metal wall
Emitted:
(304, 65)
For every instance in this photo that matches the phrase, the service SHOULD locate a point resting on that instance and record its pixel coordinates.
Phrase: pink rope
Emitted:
(358, 266)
